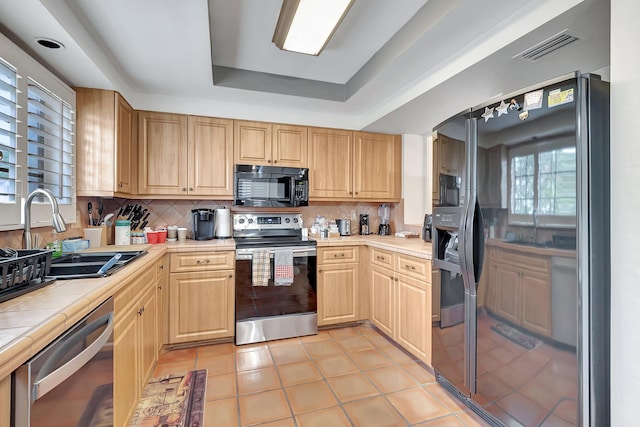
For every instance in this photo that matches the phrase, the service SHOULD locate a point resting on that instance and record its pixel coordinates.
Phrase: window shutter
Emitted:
(50, 143)
(8, 133)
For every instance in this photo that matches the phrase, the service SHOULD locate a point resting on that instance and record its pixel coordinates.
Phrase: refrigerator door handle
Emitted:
(472, 255)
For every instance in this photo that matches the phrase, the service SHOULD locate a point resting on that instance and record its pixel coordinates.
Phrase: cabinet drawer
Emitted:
(202, 261)
(417, 268)
(127, 296)
(337, 255)
(382, 258)
(526, 262)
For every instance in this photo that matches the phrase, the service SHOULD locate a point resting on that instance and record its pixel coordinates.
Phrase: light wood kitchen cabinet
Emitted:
(354, 165)
(522, 292)
(377, 166)
(210, 157)
(163, 163)
(260, 143)
(105, 145)
(401, 300)
(5, 402)
(201, 296)
(330, 164)
(135, 342)
(176, 154)
(338, 285)
(383, 299)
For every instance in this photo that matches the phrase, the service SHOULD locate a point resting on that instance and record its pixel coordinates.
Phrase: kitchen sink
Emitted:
(86, 265)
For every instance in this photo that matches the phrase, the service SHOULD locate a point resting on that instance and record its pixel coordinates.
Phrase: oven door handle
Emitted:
(51, 380)
(244, 254)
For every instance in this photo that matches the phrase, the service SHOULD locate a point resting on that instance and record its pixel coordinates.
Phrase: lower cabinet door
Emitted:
(125, 361)
(382, 299)
(337, 293)
(413, 328)
(201, 306)
(148, 333)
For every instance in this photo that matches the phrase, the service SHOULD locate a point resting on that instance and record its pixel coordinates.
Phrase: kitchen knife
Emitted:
(90, 209)
(109, 263)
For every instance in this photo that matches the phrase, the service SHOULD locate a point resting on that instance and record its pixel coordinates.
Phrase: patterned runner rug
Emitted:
(175, 400)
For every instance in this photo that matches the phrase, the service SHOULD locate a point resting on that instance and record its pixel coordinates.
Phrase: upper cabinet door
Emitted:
(252, 143)
(289, 146)
(162, 140)
(377, 166)
(330, 163)
(449, 151)
(210, 156)
(126, 154)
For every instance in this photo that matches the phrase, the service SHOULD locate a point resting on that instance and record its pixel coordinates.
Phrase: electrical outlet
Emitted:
(353, 214)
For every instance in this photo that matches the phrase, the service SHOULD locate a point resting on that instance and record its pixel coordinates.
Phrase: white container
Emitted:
(123, 232)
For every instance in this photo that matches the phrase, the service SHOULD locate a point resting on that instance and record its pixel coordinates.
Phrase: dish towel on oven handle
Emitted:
(283, 267)
(260, 268)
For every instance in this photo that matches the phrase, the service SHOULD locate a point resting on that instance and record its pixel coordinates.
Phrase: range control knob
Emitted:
(241, 221)
(250, 220)
(295, 220)
(287, 220)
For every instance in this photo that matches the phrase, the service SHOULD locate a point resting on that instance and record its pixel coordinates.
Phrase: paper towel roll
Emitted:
(222, 227)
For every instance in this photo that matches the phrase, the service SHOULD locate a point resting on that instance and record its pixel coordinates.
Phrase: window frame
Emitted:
(12, 217)
(543, 221)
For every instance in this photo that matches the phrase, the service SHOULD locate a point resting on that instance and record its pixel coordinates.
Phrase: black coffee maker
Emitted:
(203, 224)
(364, 225)
(427, 228)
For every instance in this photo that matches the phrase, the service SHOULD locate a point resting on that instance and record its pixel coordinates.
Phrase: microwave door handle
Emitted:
(42, 386)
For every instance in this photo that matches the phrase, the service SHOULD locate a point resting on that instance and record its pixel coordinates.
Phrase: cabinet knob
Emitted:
(268, 161)
(160, 288)
(203, 261)
(341, 255)
(396, 279)
(190, 188)
(161, 267)
(231, 276)
(409, 267)
(319, 271)
(350, 192)
(184, 189)
(391, 277)
(120, 184)
(356, 193)
(275, 161)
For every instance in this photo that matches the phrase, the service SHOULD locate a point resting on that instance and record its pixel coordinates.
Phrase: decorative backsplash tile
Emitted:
(177, 212)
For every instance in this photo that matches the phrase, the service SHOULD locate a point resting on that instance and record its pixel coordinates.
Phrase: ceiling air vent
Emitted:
(547, 46)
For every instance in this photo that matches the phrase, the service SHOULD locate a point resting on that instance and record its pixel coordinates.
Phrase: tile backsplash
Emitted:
(177, 212)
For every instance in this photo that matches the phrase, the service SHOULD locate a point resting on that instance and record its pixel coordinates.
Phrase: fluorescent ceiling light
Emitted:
(305, 26)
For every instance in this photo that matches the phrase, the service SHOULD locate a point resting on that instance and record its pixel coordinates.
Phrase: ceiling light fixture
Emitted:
(49, 43)
(306, 26)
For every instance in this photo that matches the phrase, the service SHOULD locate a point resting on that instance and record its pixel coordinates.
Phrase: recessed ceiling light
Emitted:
(306, 26)
(49, 43)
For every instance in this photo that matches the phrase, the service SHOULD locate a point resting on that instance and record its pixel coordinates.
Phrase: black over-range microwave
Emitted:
(270, 186)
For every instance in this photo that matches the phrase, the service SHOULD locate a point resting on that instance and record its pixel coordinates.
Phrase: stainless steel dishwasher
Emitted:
(564, 300)
(70, 382)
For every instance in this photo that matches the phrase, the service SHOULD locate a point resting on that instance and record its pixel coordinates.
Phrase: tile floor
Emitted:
(341, 377)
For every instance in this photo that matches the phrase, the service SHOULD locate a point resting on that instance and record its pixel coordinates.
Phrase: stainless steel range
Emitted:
(266, 309)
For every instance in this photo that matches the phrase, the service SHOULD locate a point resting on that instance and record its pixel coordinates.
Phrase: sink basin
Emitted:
(86, 265)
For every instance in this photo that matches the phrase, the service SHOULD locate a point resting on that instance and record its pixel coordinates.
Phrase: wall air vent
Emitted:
(547, 46)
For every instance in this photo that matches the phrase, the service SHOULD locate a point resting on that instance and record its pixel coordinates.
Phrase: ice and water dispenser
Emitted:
(446, 223)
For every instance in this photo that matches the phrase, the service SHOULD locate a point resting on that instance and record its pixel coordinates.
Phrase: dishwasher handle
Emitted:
(47, 380)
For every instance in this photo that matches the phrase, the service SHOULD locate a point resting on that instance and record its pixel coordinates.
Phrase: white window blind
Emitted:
(8, 133)
(37, 139)
(50, 143)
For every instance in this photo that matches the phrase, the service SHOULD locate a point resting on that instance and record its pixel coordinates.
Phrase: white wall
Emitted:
(416, 178)
(625, 205)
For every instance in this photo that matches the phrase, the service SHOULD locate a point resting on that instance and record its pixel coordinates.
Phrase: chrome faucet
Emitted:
(56, 220)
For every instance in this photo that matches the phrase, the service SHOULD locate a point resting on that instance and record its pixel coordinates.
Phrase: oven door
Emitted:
(271, 312)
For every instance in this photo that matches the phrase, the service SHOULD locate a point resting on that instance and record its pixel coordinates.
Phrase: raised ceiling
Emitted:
(396, 66)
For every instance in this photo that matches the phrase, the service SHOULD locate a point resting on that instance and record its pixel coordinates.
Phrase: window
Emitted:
(543, 184)
(37, 139)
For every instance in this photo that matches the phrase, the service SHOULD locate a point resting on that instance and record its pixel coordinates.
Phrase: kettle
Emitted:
(344, 227)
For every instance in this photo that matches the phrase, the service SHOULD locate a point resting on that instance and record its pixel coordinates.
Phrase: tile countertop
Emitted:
(413, 246)
(31, 321)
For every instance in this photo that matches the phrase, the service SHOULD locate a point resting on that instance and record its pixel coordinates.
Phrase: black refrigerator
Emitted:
(522, 252)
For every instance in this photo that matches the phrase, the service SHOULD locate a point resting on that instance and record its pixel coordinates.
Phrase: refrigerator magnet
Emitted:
(533, 100)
